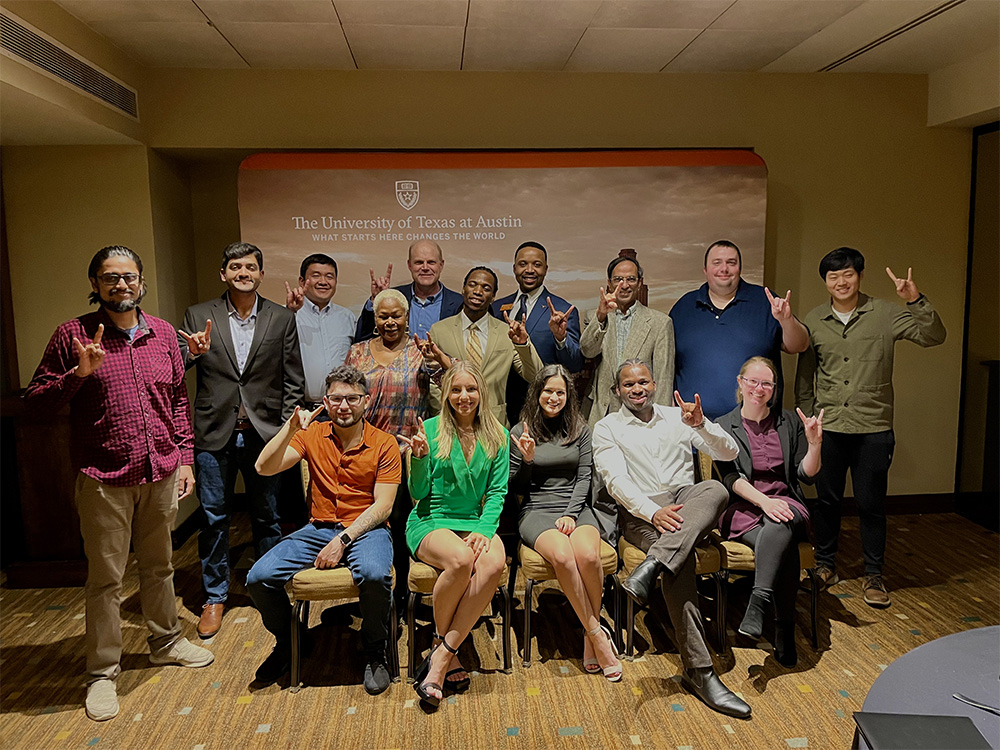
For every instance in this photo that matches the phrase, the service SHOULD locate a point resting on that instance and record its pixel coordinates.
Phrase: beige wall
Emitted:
(173, 236)
(64, 203)
(850, 159)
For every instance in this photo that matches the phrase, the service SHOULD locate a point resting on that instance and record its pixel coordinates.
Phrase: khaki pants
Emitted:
(109, 518)
(703, 503)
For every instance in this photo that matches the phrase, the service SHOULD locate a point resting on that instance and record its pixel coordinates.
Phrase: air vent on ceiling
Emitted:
(22, 41)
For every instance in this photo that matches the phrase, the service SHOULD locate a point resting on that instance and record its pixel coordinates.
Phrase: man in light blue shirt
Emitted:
(326, 330)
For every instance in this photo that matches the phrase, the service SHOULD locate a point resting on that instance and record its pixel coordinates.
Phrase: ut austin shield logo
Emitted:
(407, 193)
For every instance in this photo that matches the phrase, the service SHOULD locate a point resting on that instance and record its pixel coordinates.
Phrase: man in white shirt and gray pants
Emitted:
(642, 453)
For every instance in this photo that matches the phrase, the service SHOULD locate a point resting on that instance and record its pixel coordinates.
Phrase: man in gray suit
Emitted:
(623, 328)
(249, 383)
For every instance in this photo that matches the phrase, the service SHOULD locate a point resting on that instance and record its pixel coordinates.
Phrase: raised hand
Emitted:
(432, 352)
(302, 418)
(667, 519)
(526, 444)
(90, 356)
(781, 307)
(691, 413)
(558, 321)
(294, 298)
(198, 343)
(517, 332)
(777, 509)
(381, 283)
(607, 301)
(417, 444)
(566, 524)
(813, 427)
(905, 288)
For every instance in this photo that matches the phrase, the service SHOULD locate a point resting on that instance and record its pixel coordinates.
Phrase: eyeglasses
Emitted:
(112, 279)
(353, 400)
(753, 383)
(620, 279)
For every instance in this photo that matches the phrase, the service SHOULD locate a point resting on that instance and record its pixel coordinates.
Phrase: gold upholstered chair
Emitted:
(420, 582)
(537, 569)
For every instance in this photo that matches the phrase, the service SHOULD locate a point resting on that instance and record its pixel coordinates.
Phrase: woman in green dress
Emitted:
(459, 465)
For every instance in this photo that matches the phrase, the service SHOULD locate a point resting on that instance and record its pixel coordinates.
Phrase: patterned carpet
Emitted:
(942, 572)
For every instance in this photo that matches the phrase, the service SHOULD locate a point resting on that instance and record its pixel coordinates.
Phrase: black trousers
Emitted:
(868, 457)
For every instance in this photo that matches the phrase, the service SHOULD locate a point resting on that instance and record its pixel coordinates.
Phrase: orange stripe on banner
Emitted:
(503, 159)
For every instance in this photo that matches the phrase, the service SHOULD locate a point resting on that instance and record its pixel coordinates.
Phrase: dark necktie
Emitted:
(522, 310)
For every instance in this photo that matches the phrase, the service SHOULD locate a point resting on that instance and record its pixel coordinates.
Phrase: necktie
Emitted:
(473, 350)
(522, 310)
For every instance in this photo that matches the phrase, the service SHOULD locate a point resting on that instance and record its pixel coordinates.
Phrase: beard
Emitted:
(119, 307)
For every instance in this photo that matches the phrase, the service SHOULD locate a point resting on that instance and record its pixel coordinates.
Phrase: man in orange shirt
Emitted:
(354, 470)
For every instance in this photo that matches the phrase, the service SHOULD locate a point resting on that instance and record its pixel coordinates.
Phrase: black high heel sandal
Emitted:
(460, 685)
(432, 701)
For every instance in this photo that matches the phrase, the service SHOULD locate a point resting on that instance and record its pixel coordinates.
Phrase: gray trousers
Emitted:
(703, 504)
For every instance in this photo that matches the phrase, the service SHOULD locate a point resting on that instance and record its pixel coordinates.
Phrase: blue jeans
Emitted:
(369, 557)
(215, 473)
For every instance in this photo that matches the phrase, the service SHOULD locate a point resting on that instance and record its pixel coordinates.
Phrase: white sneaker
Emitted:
(102, 700)
(185, 653)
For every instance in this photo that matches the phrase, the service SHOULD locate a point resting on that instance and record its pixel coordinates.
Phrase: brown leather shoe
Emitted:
(211, 620)
(876, 594)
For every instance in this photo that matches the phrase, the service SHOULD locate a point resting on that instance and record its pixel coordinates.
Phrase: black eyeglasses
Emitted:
(112, 279)
(353, 400)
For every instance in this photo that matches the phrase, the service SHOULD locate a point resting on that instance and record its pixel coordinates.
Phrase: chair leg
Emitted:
(629, 629)
(814, 597)
(720, 578)
(296, 647)
(411, 630)
(505, 625)
(615, 622)
(392, 643)
(528, 600)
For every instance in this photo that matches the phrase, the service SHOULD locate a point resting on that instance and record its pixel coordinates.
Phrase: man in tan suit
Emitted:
(474, 335)
(623, 328)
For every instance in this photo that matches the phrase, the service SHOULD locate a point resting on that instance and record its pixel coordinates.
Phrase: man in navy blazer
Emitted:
(553, 323)
(429, 299)
(245, 350)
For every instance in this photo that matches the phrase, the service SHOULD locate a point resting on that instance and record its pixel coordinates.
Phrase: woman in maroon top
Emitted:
(767, 508)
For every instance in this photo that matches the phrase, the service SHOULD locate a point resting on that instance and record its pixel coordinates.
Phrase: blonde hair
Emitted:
(758, 361)
(488, 430)
(387, 294)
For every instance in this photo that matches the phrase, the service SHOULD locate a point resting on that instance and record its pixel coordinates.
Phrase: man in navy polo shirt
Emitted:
(720, 325)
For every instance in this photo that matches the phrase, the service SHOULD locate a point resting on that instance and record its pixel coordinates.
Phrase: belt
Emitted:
(243, 423)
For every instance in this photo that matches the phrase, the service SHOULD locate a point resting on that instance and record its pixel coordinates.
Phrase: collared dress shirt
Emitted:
(624, 327)
(325, 337)
(130, 419)
(482, 330)
(424, 312)
(638, 460)
(847, 369)
(242, 330)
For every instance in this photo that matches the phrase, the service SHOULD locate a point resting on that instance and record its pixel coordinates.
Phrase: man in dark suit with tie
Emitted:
(429, 299)
(553, 324)
(249, 383)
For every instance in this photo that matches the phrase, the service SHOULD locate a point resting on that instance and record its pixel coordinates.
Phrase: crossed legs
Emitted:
(462, 591)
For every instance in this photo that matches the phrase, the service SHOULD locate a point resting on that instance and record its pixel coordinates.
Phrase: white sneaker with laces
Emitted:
(185, 653)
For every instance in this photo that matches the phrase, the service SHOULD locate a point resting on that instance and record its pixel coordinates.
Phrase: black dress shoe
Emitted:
(274, 667)
(376, 676)
(642, 579)
(707, 687)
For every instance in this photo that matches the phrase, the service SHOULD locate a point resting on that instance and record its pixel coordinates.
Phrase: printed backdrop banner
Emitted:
(365, 209)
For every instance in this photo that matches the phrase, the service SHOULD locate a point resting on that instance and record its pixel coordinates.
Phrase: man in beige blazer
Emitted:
(495, 346)
(623, 328)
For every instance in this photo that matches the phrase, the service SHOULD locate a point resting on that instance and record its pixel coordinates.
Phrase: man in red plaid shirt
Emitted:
(120, 370)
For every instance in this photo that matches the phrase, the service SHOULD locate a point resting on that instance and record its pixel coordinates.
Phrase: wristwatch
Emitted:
(345, 539)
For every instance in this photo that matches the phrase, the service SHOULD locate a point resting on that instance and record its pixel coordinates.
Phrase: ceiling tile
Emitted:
(403, 12)
(628, 50)
(784, 15)
(731, 51)
(282, 11)
(656, 14)
(385, 47)
(172, 45)
(90, 11)
(529, 13)
(290, 45)
(538, 48)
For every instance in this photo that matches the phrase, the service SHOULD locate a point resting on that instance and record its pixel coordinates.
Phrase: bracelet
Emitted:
(699, 426)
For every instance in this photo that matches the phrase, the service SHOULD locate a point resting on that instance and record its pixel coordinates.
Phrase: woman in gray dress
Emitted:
(550, 467)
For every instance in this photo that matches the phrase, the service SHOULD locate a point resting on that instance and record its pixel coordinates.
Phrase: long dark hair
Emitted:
(567, 425)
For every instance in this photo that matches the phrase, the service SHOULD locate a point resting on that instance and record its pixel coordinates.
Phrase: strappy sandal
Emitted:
(613, 672)
(591, 665)
(432, 701)
(456, 685)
